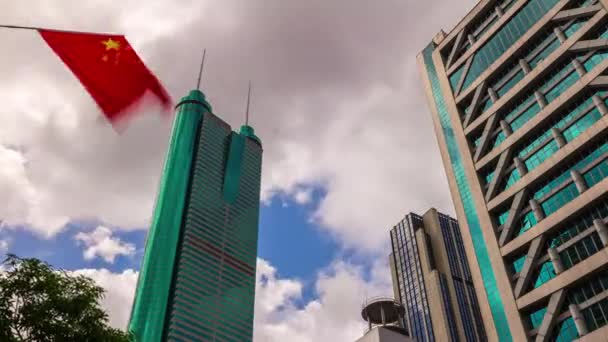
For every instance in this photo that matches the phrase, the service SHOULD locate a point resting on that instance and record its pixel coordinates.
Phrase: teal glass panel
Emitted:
(525, 116)
(487, 273)
(455, 78)
(595, 59)
(527, 222)
(565, 235)
(534, 143)
(536, 318)
(489, 177)
(585, 3)
(233, 167)
(601, 33)
(568, 118)
(546, 273)
(506, 36)
(596, 174)
(477, 141)
(487, 27)
(556, 75)
(575, 26)
(581, 125)
(566, 331)
(541, 155)
(562, 86)
(502, 218)
(581, 250)
(508, 85)
(523, 104)
(559, 199)
(512, 179)
(546, 51)
(487, 104)
(566, 175)
(518, 264)
(500, 137)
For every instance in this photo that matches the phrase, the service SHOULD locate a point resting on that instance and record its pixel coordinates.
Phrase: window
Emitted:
(581, 250)
(545, 273)
(504, 38)
(559, 199)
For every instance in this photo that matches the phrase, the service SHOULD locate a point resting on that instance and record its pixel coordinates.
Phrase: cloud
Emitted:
(3, 247)
(303, 196)
(100, 242)
(334, 316)
(337, 104)
(120, 291)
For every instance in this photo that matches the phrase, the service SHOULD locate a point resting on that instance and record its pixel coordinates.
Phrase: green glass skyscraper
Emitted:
(197, 280)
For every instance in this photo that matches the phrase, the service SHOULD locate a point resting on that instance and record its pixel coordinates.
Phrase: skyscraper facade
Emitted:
(197, 280)
(518, 92)
(432, 279)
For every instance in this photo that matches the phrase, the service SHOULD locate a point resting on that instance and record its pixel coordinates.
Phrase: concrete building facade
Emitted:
(518, 92)
(197, 280)
(432, 279)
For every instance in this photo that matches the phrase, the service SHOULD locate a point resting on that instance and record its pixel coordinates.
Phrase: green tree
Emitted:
(43, 304)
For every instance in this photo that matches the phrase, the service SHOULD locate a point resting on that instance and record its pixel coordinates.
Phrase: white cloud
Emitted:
(3, 247)
(120, 291)
(100, 242)
(303, 196)
(331, 111)
(334, 316)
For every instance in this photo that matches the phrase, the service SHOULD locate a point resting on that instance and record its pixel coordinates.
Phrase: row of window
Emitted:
(480, 26)
(541, 47)
(595, 316)
(538, 50)
(506, 36)
(409, 274)
(558, 191)
(569, 230)
(449, 310)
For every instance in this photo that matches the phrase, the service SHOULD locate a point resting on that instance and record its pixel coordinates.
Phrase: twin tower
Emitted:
(197, 280)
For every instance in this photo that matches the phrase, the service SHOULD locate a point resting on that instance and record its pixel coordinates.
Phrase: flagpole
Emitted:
(248, 101)
(33, 28)
(20, 27)
(200, 72)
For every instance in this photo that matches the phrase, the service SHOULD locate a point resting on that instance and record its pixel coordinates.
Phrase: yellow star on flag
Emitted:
(111, 44)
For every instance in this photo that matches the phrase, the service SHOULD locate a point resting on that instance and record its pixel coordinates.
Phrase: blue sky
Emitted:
(288, 238)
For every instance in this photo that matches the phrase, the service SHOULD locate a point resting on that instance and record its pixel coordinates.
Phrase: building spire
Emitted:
(200, 72)
(248, 102)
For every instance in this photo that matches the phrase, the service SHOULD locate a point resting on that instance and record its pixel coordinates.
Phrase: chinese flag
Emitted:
(109, 69)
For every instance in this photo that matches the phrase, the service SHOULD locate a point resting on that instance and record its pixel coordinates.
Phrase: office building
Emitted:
(197, 280)
(518, 92)
(431, 278)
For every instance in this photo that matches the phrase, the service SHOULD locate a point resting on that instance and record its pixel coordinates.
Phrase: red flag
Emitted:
(108, 67)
